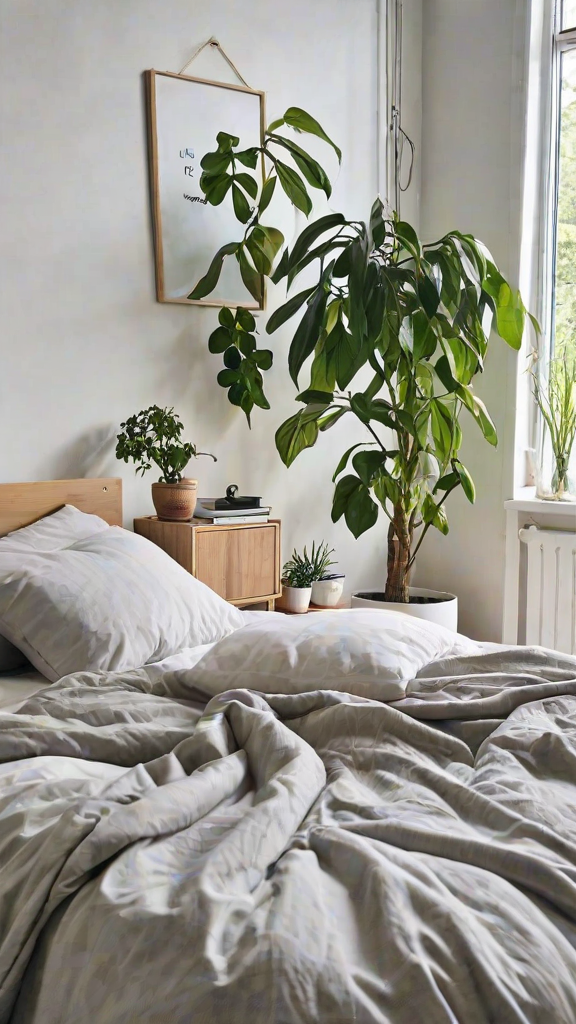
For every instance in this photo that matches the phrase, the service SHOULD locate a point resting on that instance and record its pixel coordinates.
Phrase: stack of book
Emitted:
(206, 514)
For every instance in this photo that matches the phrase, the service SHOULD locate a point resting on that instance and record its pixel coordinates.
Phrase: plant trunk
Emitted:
(399, 545)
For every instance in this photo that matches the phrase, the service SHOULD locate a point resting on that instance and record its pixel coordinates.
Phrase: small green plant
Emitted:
(304, 570)
(153, 436)
(556, 400)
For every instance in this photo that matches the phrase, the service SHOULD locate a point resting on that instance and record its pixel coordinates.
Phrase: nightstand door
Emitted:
(242, 564)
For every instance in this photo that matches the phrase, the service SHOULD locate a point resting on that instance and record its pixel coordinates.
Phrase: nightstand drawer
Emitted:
(241, 563)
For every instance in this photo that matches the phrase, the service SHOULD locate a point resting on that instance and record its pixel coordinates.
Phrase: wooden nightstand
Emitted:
(241, 563)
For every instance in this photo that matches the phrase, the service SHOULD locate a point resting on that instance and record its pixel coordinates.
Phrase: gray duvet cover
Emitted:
(309, 858)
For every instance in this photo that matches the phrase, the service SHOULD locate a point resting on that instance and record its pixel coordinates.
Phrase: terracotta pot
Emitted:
(175, 502)
(432, 605)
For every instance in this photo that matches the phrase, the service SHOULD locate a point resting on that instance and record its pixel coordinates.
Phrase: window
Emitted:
(563, 312)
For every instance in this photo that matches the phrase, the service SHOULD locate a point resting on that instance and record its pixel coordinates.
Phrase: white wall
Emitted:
(473, 90)
(84, 342)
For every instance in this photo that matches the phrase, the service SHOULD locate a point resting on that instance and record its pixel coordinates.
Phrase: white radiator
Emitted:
(551, 588)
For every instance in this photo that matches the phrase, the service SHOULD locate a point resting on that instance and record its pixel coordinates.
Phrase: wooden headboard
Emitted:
(22, 504)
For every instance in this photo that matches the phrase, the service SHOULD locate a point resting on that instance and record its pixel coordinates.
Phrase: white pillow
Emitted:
(79, 595)
(360, 651)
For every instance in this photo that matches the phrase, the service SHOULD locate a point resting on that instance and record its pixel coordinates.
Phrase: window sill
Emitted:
(526, 501)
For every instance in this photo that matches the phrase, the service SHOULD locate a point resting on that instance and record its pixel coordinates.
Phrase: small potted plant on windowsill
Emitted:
(154, 436)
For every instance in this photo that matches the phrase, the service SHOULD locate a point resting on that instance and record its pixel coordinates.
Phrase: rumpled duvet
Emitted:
(292, 859)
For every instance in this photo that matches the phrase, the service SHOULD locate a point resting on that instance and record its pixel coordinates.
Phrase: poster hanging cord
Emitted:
(216, 46)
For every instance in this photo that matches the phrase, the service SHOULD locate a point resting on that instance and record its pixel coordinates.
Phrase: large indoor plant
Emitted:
(154, 436)
(396, 330)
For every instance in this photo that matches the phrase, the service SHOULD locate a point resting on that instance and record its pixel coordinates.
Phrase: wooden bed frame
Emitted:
(22, 504)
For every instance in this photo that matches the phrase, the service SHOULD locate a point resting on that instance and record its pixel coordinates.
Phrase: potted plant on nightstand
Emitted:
(154, 436)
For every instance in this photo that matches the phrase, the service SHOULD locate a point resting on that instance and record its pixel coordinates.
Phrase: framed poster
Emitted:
(184, 117)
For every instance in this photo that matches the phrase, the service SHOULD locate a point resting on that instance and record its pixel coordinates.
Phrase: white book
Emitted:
(238, 520)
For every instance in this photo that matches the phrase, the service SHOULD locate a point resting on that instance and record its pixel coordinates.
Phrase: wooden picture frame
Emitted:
(184, 116)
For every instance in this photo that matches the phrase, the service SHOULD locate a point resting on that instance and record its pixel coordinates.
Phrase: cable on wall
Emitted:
(399, 138)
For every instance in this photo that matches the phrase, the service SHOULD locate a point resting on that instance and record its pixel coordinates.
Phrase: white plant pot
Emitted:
(327, 593)
(442, 608)
(296, 599)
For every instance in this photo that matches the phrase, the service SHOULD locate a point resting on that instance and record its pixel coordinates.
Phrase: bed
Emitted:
(333, 818)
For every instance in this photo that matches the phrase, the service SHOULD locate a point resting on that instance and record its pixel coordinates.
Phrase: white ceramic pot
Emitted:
(296, 599)
(441, 608)
(327, 593)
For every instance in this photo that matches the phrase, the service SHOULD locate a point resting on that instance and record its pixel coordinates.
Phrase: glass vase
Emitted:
(555, 475)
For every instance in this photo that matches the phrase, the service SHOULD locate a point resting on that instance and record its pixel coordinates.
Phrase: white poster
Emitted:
(186, 115)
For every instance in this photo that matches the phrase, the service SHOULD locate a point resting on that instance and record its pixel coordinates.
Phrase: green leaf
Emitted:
(248, 183)
(226, 318)
(377, 223)
(219, 340)
(241, 205)
(358, 266)
(215, 163)
(318, 253)
(466, 481)
(348, 356)
(267, 193)
(294, 187)
(342, 493)
(308, 332)
(247, 344)
(208, 283)
(264, 358)
(361, 511)
(294, 435)
(315, 397)
(303, 122)
(510, 311)
(245, 319)
(331, 418)
(250, 277)
(408, 239)
(232, 358)
(288, 310)
(344, 460)
(447, 482)
(368, 465)
(227, 377)
(226, 142)
(248, 157)
(315, 174)
(263, 244)
(441, 433)
(217, 188)
(282, 268)
(434, 514)
(274, 125)
(480, 413)
(360, 407)
(444, 372)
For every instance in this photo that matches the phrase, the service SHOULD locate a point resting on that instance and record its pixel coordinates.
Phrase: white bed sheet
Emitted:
(18, 687)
